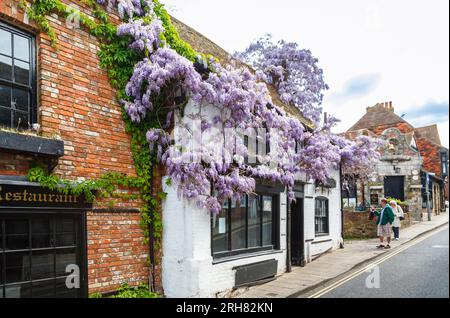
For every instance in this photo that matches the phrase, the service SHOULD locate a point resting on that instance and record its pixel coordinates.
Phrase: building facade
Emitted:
(409, 157)
(256, 239)
(58, 109)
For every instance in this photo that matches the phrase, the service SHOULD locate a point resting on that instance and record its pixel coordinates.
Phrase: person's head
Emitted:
(393, 203)
(383, 202)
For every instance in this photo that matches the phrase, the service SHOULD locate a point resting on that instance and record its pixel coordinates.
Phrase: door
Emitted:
(297, 233)
(394, 187)
(42, 255)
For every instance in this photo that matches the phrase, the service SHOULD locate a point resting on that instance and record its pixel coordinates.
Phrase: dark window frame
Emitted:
(32, 85)
(275, 246)
(327, 217)
(444, 160)
(80, 248)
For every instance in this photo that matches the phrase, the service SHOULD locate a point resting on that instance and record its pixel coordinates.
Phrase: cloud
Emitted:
(356, 87)
(431, 111)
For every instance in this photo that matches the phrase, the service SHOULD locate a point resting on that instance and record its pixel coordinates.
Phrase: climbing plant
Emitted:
(147, 61)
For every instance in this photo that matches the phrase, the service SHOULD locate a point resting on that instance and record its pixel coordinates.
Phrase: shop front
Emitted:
(42, 242)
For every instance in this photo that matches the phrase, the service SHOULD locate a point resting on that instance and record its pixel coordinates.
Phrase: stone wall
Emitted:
(357, 225)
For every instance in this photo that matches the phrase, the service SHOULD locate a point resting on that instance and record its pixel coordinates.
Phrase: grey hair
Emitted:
(393, 202)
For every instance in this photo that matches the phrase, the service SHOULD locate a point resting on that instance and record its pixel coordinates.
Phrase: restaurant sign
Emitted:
(30, 196)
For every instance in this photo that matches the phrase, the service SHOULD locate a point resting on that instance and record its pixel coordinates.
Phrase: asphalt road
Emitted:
(420, 271)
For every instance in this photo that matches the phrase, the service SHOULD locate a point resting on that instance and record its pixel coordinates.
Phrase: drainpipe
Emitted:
(341, 206)
(288, 237)
(151, 245)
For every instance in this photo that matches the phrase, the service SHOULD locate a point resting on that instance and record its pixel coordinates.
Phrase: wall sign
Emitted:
(374, 199)
(28, 196)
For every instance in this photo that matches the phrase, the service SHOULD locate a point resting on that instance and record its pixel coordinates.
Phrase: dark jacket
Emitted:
(388, 216)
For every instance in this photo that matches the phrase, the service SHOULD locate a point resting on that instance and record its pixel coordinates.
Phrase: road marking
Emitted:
(440, 246)
(400, 249)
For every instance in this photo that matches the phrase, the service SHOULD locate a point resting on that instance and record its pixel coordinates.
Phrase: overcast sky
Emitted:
(371, 51)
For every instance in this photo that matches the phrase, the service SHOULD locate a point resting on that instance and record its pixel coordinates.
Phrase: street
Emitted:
(419, 271)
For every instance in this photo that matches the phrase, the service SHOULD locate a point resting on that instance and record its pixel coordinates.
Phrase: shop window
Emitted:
(246, 226)
(321, 216)
(17, 78)
(35, 251)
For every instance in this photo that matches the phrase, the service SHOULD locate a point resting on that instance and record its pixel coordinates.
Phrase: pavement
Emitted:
(335, 263)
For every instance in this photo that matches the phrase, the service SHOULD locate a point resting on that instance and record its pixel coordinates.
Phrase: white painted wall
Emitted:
(187, 264)
(317, 245)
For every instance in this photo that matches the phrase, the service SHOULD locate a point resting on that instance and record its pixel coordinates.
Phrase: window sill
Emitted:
(242, 256)
(23, 143)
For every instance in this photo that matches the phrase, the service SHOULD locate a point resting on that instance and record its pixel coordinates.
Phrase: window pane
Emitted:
(267, 220)
(18, 291)
(220, 230)
(254, 221)
(5, 96)
(20, 99)
(16, 234)
(238, 224)
(17, 267)
(41, 234)
(5, 42)
(65, 232)
(21, 48)
(5, 117)
(43, 264)
(20, 120)
(63, 258)
(21, 72)
(45, 289)
(5, 67)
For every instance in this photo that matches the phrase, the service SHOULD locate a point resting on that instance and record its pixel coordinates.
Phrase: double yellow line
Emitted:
(375, 263)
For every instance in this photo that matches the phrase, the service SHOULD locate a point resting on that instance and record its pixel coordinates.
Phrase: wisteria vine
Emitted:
(239, 101)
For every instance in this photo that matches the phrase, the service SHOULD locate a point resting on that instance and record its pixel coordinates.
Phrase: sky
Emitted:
(371, 51)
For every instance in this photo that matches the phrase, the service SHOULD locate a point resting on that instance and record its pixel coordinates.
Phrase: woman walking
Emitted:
(399, 215)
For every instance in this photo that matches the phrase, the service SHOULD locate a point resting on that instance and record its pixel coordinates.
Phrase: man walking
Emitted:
(384, 221)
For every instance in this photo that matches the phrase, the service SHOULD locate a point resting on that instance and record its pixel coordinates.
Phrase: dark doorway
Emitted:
(297, 233)
(394, 187)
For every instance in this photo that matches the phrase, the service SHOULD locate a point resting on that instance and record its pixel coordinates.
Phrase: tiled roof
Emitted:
(429, 132)
(382, 114)
(202, 44)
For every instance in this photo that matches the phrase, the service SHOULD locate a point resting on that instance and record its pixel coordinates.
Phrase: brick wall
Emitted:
(77, 104)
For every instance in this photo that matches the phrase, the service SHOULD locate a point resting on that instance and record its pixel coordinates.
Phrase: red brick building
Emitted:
(410, 155)
(58, 108)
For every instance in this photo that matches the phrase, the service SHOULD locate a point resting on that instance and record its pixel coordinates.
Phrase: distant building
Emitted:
(409, 158)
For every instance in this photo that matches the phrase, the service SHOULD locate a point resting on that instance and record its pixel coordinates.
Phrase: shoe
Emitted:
(396, 239)
(380, 246)
(387, 246)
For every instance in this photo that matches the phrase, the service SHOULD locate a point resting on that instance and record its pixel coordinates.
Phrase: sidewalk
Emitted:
(336, 263)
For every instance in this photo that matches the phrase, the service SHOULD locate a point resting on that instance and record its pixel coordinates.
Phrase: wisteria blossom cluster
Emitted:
(293, 71)
(130, 8)
(146, 36)
(240, 101)
(358, 157)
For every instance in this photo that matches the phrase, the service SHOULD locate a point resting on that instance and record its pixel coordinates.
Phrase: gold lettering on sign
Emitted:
(25, 196)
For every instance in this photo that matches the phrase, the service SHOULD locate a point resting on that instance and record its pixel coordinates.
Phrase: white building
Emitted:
(208, 255)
